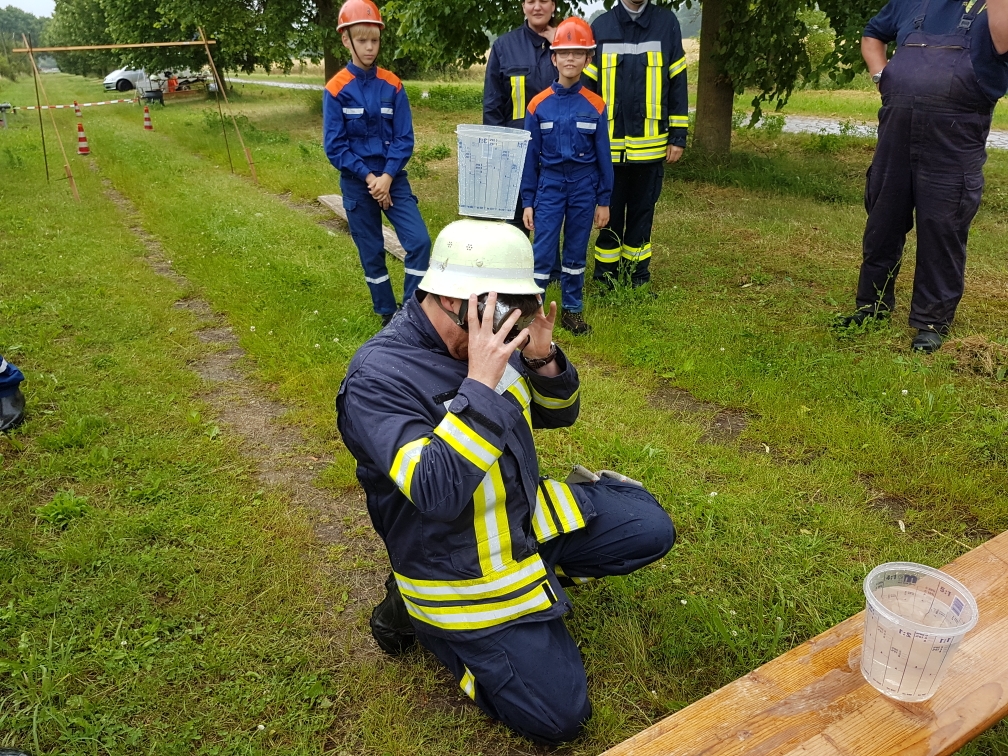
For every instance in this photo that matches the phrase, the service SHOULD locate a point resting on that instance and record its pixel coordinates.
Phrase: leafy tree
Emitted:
(13, 23)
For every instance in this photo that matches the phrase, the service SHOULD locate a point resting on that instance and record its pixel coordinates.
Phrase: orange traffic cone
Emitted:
(77, 109)
(82, 145)
(148, 126)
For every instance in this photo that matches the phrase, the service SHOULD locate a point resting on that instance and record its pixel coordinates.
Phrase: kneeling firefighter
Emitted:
(438, 410)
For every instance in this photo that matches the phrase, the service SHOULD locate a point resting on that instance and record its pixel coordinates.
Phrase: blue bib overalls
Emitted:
(933, 128)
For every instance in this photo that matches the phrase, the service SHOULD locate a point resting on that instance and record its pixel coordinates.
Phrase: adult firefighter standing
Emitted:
(938, 93)
(639, 69)
(438, 410)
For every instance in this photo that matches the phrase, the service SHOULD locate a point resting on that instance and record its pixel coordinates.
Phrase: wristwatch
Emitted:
(542, 361)
(876, 78)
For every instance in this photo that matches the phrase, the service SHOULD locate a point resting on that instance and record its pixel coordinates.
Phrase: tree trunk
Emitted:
(715, 94)
(327, 20)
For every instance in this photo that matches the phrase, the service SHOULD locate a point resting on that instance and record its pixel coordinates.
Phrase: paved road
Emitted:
(793, 124)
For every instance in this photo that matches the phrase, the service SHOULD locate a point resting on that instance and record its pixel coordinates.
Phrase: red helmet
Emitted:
(573, 34)
(359, 12)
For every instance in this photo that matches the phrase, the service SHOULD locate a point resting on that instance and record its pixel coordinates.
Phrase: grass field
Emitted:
(158, 593)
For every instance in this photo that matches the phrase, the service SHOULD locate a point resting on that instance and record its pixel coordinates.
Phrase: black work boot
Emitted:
(575, 323)
(858, 318)
(12, 410)
(390, 622)
(927, 341)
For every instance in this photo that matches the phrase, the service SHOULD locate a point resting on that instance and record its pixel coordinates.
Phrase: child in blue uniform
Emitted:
(368, 135)
(12, 401)
(568, 176)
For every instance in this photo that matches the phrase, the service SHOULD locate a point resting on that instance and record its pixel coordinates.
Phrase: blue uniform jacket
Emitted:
(570, 140)
(520, 66)
(896, 20)
(366, 122)
(452, 480)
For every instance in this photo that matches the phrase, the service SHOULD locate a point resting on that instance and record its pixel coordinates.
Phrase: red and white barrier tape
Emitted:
(61, 107)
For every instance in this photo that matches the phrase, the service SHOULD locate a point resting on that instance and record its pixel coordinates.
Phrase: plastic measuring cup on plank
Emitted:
(491, 160)
(915, 619)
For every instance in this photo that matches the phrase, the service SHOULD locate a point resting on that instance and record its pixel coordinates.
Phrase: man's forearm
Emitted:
(997, 20)
(874, 53)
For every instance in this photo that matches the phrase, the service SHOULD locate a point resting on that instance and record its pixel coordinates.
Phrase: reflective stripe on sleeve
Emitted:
(468, 684)
(517, 98)
(405, 463)
(678, 122)
(591, 71)
(567, 508)
(550, 402)
(353, 111)
(543, 524)
(467, 442)
(677, 67)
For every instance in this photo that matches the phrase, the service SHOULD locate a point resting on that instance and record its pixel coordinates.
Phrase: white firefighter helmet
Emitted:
(476, 257)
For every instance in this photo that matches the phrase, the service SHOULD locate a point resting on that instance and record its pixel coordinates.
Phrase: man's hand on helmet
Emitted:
(488, 351)
(541, 334)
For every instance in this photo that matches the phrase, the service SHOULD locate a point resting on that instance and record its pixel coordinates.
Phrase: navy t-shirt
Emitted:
(896, 20)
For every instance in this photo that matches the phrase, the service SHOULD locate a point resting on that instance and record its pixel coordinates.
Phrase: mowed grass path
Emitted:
(777, 527)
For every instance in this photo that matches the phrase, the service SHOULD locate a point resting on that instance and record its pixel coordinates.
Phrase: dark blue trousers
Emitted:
(530, 675)
(10, 377)
(364, 218)
(570, 206)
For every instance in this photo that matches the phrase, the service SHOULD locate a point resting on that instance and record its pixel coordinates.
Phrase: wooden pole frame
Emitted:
(220, 88)
(70, 48)
(38, 104)
(66, 162)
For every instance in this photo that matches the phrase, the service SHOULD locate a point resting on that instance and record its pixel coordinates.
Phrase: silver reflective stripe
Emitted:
(543, 276)
(546, 125)
(459, 590)
(353, 111)
(625, 48)
(414, 272)
(3, 364)
(510, 377)
(573, 271)
(383, 279)
(589, 125)
(386, 111)
(474, 272)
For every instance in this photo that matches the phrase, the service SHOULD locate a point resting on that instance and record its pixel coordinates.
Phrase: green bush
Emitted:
(65, 507)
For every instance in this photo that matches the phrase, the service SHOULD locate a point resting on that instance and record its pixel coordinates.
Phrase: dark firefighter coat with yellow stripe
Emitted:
(520, 66)
(452, 479)
(639, 68)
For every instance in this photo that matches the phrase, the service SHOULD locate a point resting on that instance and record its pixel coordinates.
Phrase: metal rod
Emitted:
(220, 86)
(59, 139)
(45, 155)
(115, 47)
(217, 90)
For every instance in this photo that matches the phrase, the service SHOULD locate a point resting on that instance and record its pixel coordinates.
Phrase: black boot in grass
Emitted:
(575, 323)
(390, 622)
(12, 410)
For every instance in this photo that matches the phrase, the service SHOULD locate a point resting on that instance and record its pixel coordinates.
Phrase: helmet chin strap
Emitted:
(456, 317)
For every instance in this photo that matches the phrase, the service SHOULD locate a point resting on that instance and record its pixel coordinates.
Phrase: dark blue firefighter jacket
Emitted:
(452, 480)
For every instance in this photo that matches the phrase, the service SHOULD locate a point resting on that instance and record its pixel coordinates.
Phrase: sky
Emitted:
(35, 7)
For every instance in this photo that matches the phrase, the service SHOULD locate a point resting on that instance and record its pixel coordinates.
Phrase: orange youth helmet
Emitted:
(573, 34)
(359, 12)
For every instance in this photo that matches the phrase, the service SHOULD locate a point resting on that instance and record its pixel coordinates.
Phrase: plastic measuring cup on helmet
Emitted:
(491, 160)
(915, 619)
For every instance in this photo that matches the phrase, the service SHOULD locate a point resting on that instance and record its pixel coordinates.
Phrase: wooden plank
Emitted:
(335, 203)
(114, 47)
(813, 701)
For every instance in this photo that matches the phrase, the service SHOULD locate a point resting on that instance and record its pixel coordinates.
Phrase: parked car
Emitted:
(125, 79)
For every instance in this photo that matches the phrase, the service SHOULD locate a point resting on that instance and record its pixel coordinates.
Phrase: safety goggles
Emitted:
(528, 304)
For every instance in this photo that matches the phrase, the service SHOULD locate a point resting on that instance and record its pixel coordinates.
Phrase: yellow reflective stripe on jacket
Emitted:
(404, 464)
(518, 576)
(550, 402)
(480, 616)
(637, 254)
(543, 524)
(609, 92)
(607, 255)
(646, 147)
(493, 534)
(520, 391)
(558, 571)
(591, 71)
(653, 86)
(467, 442)
(677, 67)
(468, 683)
(678, 121)
(564, 503)
(517, 98)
